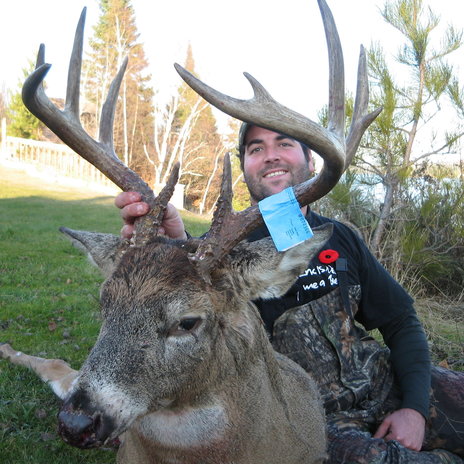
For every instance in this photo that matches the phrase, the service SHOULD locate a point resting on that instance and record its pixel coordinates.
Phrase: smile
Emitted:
(275, 173)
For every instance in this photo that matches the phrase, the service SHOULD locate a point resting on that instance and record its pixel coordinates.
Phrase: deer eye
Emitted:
(185, 326)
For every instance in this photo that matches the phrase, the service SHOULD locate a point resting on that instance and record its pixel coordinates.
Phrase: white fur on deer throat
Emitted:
(188, 427)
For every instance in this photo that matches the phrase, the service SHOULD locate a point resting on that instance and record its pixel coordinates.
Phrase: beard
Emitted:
(259, 190)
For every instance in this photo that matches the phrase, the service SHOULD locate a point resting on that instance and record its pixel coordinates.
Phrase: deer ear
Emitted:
(262, 272)
(103, 250)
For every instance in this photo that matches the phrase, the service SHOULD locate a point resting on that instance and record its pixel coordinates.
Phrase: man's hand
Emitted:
(407, 426)
(132, 207)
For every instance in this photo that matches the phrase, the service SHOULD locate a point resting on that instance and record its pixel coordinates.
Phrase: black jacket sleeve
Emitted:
(410, 360)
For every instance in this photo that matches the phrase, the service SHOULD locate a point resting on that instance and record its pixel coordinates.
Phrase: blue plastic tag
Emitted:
(284, 219)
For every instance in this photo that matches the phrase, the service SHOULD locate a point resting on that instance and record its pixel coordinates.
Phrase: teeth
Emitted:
(275, 173)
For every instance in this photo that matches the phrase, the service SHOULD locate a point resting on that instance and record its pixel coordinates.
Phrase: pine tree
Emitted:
(391, 151)
(21, 122)
(203, 147)
(115, 38)
(185, 132)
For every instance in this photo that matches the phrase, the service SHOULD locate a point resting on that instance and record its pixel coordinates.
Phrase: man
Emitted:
(377, 400)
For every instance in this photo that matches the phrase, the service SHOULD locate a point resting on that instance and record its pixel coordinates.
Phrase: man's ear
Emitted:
(103, 250)
(260, 271)
(311, 162)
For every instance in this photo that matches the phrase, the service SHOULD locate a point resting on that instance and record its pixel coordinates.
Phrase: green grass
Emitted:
(48, 307)
(443, 322)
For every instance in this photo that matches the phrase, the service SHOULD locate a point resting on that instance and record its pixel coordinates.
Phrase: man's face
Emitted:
(272, 162)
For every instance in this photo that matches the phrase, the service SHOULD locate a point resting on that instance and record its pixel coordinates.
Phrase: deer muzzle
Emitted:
(85, 429)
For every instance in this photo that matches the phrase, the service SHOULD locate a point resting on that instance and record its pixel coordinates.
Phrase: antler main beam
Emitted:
(229, 227)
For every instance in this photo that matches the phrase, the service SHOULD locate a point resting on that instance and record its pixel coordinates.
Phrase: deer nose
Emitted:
(78, 429)
(83, 426)
(75, 429)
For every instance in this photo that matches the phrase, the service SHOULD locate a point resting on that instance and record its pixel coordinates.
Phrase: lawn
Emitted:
(48, 306)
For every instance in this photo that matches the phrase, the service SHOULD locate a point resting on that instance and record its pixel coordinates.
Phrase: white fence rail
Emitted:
(57, 161)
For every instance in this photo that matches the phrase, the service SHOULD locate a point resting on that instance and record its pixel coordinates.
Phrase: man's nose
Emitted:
(271, 154)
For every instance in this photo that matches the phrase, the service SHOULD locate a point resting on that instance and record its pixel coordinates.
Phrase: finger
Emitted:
(390, 436)
(127, 231)
(407, 440)
(382, 430)
(126, 198)
(402, 440)
(131, 212)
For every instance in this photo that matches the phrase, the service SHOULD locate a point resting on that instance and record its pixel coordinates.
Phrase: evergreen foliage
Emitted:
(391, 148)
(432, 235)
(21, 122)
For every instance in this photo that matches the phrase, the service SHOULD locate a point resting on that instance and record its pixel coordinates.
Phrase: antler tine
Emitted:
(109, 108)
(145, 226)
(262, 110)
(66, 124)
(74, 71)
(336, 123)
(206, 255)
(224, 202)
(361, 120)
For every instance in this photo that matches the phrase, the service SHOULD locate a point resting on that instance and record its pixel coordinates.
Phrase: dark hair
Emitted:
(241, 144)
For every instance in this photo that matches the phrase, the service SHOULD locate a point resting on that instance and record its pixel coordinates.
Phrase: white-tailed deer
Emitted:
(182, 370)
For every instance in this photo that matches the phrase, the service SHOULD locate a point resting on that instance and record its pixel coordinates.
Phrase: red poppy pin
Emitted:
(328, 256)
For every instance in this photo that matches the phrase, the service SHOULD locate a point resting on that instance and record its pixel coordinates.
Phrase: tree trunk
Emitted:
(391, 188)
(205, 194)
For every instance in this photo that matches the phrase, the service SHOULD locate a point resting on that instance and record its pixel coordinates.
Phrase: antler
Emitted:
(66, 125)
(230, 227)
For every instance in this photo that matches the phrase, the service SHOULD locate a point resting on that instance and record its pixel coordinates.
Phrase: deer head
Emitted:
(170, 339)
